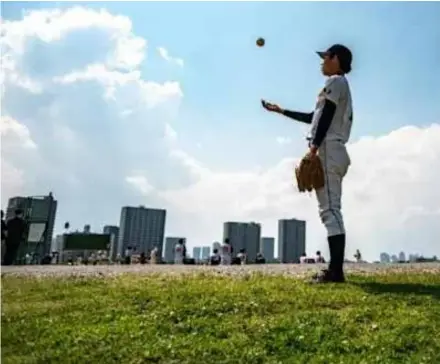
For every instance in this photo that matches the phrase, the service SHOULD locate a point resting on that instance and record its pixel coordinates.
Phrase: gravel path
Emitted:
(283, 269)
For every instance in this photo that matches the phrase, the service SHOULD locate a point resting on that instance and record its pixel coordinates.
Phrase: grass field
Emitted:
(207, 318)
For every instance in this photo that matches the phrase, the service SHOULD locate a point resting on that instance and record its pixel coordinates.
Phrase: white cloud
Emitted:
(15, 134)
(141, 183)
(283, 140)
(163, 52)
(170, 133)
(149, 93)
(390, 203)
(87, 143)
(59, 133)
(50, 26)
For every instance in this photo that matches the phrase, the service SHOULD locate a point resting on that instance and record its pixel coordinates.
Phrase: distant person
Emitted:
(358, 256)
(128, 254)
(182, 241)
(143, 258)
(15, 228)
(226, 253)
(179, 252)
(154, 255)
(303, 258)
(215, 258)
(319, 258)
(242, 256)
(260, 259)
(4, 232)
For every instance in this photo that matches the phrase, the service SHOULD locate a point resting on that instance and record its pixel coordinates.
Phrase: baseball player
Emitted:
(226, 253)
(330, 130)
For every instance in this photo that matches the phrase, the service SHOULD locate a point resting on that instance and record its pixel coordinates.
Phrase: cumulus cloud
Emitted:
(140, 183)
(95, 119)
(390, 197)
(127, 51)
(80, 119)
(15, 134)
(163, 52)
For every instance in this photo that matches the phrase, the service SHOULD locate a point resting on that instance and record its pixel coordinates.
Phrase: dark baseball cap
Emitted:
(344, 55)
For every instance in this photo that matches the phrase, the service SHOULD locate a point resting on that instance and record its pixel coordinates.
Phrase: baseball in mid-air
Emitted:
(260, 42)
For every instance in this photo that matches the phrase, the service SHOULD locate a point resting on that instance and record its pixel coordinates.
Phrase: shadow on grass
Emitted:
(401, 288)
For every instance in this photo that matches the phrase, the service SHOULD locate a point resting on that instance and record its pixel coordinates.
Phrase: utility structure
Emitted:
(39, 213)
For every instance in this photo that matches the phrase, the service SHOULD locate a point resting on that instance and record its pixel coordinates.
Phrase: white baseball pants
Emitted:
(335, 161)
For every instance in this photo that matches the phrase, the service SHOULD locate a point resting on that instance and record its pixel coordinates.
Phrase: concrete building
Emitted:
(206, 252)
(243, 235)
(170, 243)
(39, 212)
(142, 229)
(402, 257)
(291, 240)
(385, 258)
(57, 247)
(267, 248)
(113, 231)
(197, 253)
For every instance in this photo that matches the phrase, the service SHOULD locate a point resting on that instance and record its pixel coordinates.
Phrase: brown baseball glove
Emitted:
(309, 173)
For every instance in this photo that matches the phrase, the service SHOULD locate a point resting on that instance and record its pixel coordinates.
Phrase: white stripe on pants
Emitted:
(335, 161)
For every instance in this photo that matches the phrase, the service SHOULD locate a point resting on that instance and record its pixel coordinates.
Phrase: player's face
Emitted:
(329, 65)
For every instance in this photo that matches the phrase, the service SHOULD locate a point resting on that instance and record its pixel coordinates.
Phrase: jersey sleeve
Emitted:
(334, 89)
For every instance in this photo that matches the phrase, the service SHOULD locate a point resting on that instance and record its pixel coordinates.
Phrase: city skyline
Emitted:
(53, 241)
(111, 125)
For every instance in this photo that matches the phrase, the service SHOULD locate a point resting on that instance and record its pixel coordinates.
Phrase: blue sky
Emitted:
(219, 121)
(395, 78)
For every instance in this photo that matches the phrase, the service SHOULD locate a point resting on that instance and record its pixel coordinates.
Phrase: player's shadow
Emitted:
(401, 288)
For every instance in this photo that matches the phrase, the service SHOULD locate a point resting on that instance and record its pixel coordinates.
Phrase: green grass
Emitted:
(217, 319)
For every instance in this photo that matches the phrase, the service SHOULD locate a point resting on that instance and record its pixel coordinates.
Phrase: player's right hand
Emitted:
(271, 107)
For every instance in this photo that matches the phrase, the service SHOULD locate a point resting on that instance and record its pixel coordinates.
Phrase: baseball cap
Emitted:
(344, 55)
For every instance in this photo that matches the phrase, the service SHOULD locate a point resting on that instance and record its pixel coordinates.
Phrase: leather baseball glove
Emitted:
(309, 173)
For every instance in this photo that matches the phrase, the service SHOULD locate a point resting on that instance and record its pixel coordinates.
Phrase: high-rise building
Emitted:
(142, 229)
(57, 243)
(39, 212)
(385, 258)
(113, 231)
(267, 248)
(243, 235)
(291, 240)
(197, 251)
(170, 243)
(58, 247)
(206, 252)
(402, 257)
